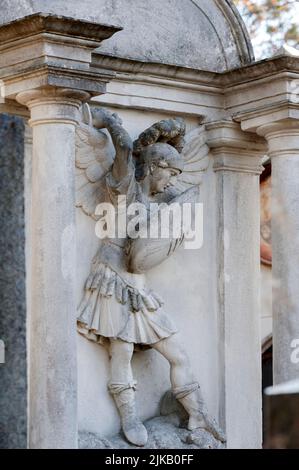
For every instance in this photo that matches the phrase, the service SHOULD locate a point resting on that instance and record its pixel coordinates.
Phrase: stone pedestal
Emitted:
(237, 163)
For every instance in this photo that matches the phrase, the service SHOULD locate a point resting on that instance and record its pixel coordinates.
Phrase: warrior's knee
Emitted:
(180, 358)
(121, 351)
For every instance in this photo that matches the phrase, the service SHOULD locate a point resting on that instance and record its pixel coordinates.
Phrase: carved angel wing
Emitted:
(196, 157)
(94, 157)
(147, 253)
(195, 154)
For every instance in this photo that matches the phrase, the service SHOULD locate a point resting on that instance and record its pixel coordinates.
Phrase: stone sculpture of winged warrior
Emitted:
(118, 308)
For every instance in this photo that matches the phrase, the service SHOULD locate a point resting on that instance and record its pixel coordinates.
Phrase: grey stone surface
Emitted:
(164, 433)
(205, 34)
(13, 381)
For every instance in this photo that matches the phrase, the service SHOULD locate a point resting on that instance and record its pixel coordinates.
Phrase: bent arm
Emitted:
(123, 163)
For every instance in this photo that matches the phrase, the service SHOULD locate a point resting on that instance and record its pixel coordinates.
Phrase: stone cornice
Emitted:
(251, 72)
(41, 23)
(163, 88)
(263, 92)
(149, 85)
(234, 150)
(122, 65)
(56, 41)
(42, 75)
(252, 119)
(58, 51)
(261, 69)
(48, 50)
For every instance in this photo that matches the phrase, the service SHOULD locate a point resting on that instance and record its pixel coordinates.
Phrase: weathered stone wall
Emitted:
(186, 282)
(13, 382)
(195, 33)
(204, 34)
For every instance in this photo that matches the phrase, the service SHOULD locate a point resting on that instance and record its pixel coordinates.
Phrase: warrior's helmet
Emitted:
(162, 143)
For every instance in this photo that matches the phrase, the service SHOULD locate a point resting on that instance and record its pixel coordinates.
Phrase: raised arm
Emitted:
(123, 164)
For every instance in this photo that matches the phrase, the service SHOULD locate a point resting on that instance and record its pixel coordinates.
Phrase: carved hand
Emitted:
(102, 118)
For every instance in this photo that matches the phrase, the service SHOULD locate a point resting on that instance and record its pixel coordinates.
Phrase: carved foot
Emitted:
(133, 429)
(199, 421)
(135, 432)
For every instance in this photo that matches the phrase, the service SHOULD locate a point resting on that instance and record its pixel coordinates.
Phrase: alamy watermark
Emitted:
(295, 352)
(166, 221)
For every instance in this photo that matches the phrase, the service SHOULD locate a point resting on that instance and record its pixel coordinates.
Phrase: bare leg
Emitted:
(122, 388)
(120, 361)
(171, 348)
(185, 389)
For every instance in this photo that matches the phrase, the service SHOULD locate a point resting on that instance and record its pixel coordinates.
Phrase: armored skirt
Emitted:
(117, 304)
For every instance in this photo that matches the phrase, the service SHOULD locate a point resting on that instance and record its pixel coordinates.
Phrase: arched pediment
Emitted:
(203, 34)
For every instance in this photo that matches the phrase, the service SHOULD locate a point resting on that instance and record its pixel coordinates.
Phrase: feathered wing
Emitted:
(94, 157)
(95, 154)
(196, 157)
(147, 253)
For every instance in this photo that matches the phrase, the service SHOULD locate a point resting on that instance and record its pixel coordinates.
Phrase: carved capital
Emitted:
(262, 92)
(254, 119)
(47, 50)
(235, 163)
(282, 137)
(235, 150)
(50, 104)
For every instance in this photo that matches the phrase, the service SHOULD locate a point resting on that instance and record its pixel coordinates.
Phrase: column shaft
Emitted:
(52, 319)
(53, 369)
(237, 163)
(283, 139)
(239, 316)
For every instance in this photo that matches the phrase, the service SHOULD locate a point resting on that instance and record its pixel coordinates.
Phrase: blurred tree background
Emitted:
(271, 23)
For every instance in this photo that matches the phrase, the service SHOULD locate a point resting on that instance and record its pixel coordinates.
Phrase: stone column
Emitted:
(237, 163)
(283, 141)
(45, 66)
(52, 355)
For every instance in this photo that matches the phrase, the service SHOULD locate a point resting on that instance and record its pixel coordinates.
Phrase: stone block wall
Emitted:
(13, 381)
